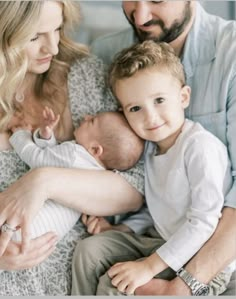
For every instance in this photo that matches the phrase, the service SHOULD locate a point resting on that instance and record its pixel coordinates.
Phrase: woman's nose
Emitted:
(51, 45)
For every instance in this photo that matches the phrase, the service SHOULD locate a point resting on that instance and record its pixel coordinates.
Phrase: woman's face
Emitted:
(44, 43)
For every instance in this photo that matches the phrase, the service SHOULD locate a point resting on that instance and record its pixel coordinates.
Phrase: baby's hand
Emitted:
(50, 121)
(95, 225)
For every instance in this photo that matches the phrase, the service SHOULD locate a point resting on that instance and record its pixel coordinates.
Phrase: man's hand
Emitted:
(158, 287)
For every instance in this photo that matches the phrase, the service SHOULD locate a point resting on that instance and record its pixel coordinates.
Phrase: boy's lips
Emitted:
(155, 127)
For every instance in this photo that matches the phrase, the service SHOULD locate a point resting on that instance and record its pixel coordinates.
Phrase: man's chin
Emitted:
(147, 35)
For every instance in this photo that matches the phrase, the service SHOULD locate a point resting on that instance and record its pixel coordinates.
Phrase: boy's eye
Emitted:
(135, 109)
(159, 100)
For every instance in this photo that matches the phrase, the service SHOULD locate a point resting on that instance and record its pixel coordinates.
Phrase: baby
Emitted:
(103, 141)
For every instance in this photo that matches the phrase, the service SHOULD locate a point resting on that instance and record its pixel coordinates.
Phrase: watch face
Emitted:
(202, 291)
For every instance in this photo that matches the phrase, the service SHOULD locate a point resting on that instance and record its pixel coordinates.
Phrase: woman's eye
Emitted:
(159, 100)
(34, 38)
(157, 2)
(135, 109)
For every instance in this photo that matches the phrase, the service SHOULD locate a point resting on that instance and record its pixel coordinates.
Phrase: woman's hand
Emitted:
(38, 250)
(18, 206)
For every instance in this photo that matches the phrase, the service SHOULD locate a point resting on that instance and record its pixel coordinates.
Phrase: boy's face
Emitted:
(153, 103)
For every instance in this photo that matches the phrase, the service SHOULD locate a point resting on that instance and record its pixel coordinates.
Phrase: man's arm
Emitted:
(214, 256)
(218, 252)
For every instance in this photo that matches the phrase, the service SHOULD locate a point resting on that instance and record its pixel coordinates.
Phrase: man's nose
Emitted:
(142, 13)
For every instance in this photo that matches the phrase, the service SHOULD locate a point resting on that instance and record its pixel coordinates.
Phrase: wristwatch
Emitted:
(197, 288)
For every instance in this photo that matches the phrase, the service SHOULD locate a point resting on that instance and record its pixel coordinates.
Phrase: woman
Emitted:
(41, 67)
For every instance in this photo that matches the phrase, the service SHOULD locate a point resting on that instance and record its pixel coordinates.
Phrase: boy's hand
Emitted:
(128, 276)
(96, 225)
(50, 121)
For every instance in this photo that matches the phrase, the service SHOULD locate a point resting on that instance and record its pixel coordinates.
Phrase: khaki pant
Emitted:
(94, 256)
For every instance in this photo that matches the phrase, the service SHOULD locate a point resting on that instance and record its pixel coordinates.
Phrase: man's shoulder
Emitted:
(105, 47)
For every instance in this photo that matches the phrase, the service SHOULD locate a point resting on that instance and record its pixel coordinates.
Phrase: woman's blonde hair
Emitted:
(148, 54)
(18, 22)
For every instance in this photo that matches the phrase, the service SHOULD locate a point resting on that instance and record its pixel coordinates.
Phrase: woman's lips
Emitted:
(44, 60)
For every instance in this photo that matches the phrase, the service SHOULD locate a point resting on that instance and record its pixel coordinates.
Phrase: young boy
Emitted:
(187, 174)
(104, 141)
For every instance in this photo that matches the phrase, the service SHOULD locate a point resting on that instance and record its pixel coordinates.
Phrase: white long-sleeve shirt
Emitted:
(185, 190)
(37, 152)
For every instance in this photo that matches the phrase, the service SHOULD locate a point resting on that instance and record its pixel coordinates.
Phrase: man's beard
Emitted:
(168, 34)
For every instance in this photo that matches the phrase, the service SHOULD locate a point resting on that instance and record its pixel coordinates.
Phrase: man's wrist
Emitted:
(183, 288)
(197, 288)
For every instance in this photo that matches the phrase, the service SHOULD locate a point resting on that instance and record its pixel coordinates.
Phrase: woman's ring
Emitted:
(7, 228)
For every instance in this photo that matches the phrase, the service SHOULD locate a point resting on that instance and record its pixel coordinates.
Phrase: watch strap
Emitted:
(192, 282)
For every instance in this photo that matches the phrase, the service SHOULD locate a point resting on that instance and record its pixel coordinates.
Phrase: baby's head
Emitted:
(149, 82)
(109, 138)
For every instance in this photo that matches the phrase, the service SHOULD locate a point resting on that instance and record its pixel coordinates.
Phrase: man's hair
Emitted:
(122, 148)
(143, 56)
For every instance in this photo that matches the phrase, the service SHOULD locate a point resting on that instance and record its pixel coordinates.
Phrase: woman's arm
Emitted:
(92, 192)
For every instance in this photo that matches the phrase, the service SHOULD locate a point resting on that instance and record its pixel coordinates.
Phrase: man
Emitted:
(207, 47)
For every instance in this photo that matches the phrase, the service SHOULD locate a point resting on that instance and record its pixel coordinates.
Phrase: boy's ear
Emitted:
(185, 96)
(95, 150)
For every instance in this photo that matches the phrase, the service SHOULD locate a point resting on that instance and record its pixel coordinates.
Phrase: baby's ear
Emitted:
(95, 150)
(185, 96)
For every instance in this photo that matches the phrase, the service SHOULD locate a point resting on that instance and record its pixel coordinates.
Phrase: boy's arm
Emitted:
(206, 166)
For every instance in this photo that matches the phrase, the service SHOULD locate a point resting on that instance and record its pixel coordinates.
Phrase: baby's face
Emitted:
(90, 129)
(153, 103)
(87, 130)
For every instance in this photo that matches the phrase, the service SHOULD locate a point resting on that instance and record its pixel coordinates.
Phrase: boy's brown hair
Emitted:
(143, 56)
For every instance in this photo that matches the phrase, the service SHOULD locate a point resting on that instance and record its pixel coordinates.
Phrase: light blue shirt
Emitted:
(209, 59)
